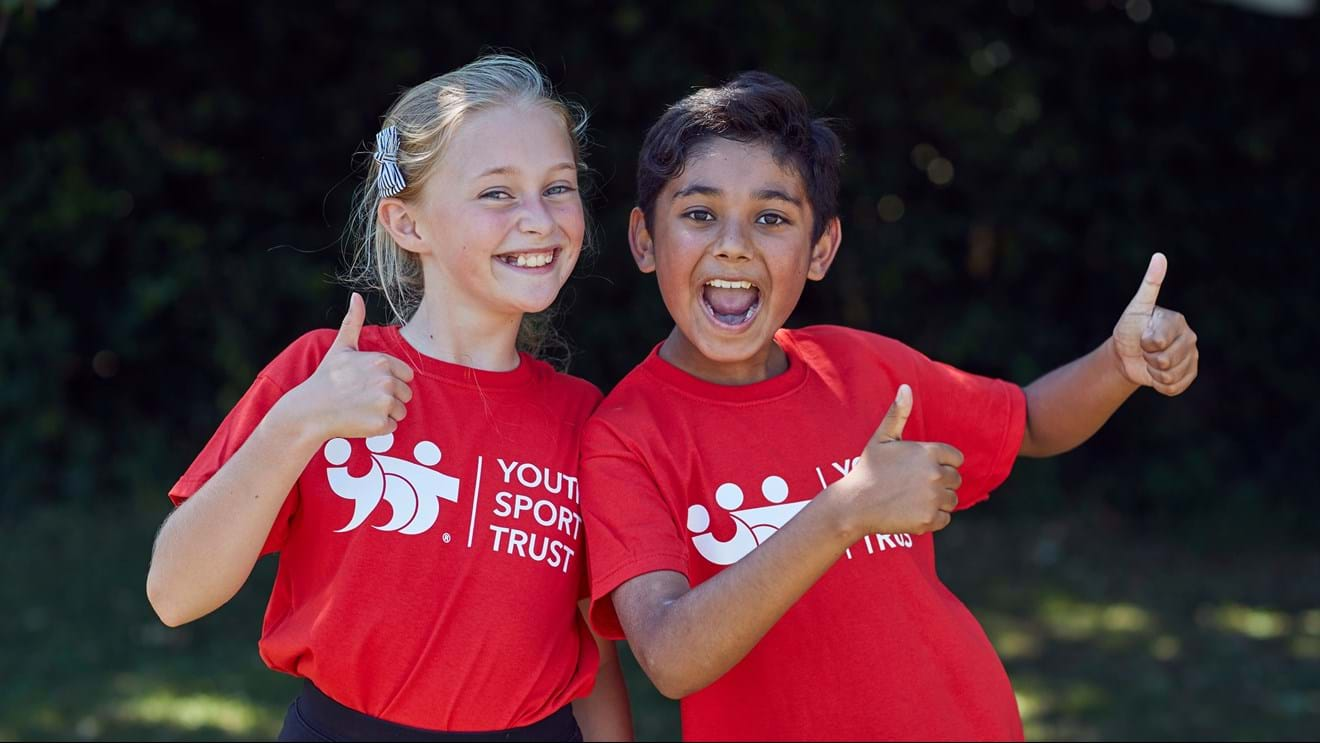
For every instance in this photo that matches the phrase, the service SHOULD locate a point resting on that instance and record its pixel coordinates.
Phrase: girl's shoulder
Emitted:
(300, 358)
(559, 383)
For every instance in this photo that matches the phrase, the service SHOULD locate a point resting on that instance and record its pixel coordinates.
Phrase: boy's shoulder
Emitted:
(831, 351)
(837, 346)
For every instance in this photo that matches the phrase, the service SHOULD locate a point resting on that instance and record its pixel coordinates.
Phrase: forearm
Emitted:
(605, 714)
(206, 549)
(1068, 405)
(703, 633)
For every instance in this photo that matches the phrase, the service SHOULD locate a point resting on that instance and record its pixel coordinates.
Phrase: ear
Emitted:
(639, 239)
(823, 252)
(394, 215)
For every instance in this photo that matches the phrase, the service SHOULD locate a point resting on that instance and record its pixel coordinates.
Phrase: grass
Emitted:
(1105, 634)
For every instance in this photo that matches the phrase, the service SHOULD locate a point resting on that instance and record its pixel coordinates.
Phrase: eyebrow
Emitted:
(764, 194)
(511, 170)
(774, 193)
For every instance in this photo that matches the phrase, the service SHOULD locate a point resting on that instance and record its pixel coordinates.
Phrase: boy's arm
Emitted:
(685, 638)
(1151, 346)
(604, 714)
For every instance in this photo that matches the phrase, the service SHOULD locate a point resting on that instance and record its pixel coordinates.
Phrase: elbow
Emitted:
(670, 688)
(667, 679)
(163, 602)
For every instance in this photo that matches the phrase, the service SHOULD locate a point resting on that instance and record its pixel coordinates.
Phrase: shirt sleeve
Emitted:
(983, 418)
(233, 432)
(631, 529)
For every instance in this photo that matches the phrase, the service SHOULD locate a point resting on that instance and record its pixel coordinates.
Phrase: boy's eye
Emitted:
(497, 194)
(699, 215)
(771, 219)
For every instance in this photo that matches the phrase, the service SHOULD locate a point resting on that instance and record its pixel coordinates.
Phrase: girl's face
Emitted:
(500, 220)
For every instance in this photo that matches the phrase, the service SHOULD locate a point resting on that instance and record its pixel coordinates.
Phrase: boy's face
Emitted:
(731, 247)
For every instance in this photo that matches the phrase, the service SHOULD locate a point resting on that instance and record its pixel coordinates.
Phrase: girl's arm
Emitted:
(206, 549)
(605, 714)
(1151, 346)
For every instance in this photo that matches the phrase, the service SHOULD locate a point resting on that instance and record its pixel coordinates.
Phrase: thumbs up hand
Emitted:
(1155, 346)
(901, 487)
(352, 393)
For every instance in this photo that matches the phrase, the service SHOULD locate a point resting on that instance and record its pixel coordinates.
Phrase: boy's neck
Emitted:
(770, 361)
(475, 339)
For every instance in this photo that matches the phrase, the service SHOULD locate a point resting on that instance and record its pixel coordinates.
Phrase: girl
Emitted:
(419, 479)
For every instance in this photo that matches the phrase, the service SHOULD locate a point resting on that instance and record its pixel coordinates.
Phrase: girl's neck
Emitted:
(480, 340)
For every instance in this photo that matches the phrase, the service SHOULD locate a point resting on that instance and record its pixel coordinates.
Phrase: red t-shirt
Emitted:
(431, 577)
(685, 475)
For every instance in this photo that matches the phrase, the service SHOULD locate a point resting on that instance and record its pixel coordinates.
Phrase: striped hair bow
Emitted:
(389, 180)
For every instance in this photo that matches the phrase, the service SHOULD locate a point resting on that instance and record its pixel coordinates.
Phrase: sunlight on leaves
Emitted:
(1078, 620)
(1254, 622)
(194, 711)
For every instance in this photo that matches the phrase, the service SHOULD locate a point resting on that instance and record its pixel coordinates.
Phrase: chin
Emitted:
(532, 305)
(735, 350)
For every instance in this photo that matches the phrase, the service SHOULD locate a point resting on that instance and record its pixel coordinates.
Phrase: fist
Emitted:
(903, 487)
(353, 394)
(1155, 346)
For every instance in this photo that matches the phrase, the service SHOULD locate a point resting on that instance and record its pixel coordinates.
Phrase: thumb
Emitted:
(1143, 302)
(891, 428)
(352, 325)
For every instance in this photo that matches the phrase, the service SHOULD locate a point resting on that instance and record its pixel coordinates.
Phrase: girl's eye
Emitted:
(699, 215)
(559, 189)
(771, 219)
(497, 195)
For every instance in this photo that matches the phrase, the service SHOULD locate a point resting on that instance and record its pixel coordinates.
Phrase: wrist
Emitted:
(837, 512)
(1116, 365)
(288, 425)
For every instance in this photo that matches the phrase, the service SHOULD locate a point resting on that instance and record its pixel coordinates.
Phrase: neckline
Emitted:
(430, 366)
(769, 389)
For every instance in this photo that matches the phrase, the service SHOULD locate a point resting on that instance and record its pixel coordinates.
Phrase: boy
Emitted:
(735, 430)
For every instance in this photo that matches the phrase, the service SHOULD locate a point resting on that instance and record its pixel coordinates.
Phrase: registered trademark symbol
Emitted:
(446, 537)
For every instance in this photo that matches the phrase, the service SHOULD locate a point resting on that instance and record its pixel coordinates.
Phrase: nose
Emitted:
(733, 244)
(535, 218)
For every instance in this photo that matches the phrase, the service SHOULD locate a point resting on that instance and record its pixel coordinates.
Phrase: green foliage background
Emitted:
(176, 178)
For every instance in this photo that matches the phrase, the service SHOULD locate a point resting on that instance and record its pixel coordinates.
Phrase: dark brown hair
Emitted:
(753, 107)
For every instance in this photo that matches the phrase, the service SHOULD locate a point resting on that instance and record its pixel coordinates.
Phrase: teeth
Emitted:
(723, 284)
(531, 260)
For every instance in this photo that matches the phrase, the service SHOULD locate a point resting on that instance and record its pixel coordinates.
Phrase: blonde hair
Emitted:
(427, 116)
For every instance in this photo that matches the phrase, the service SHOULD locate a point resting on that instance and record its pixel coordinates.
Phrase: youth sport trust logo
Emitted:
(753, 526)
(412, 489)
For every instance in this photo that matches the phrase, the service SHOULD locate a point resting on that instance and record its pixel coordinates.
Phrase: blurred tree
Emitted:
(178, 177)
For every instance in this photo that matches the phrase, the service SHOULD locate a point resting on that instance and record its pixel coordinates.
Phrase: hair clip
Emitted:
(389, 180)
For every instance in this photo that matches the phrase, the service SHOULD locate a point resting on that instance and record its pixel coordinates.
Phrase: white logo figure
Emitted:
(752, 526)
(413, 491)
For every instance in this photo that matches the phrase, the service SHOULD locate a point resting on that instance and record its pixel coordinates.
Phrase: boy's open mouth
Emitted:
(731, 303)
(529, 259)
